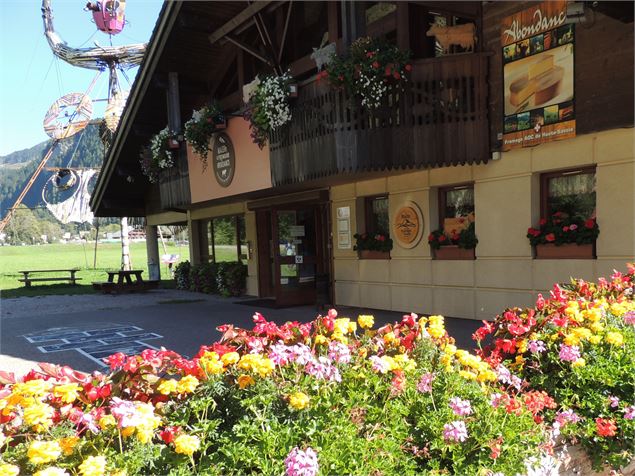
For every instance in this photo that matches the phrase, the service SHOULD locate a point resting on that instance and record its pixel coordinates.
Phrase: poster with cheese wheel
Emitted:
(538, 76)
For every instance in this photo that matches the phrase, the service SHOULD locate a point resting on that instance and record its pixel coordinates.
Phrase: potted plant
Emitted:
(268, 106)
(454, 245)
(160, 156)
(200, 128)
(372, 246)
(369, 68)
(562, 236)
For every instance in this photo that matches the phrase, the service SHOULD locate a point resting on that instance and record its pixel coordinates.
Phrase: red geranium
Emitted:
(550, 237)
(590, 223)
(605, 426)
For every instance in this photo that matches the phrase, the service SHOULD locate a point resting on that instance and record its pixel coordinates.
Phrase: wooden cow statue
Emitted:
(462, 35)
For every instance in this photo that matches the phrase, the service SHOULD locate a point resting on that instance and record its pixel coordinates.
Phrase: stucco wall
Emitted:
(506, 194)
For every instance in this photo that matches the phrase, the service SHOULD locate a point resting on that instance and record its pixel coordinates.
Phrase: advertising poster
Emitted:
(538, 79)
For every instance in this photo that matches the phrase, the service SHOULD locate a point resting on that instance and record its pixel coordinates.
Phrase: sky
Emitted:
(32, 79)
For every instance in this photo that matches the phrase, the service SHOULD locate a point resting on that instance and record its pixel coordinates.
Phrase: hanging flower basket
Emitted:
(200, 128)
(160, 155)
(268, 106)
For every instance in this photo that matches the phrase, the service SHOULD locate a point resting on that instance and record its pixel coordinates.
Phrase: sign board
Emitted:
(299, 259)
(223, 159)
(538, 76)
(344, 228)
(296, 230)
(408, 225)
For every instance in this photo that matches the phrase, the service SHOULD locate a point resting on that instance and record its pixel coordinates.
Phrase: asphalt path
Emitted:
(82, 338)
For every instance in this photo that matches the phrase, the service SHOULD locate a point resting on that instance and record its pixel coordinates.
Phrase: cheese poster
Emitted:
(538, 84)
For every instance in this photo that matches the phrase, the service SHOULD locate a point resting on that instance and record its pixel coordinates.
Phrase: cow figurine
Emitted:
(462, 35)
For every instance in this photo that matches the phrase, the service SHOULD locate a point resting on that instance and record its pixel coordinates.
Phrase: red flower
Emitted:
(550, 237)
(375, 64)
(605, 426)
(565, 228)
(543, 221)
(538, 401)
(483, 331)
(540, 302)
(396, 75)
(168, 434)
(408, 67)
(590, 223)
(398, 382)
(431, 237)
(533, 232)
(388, 71)
(442, 238)
(370, 54)
(496, 447)
(506, 345)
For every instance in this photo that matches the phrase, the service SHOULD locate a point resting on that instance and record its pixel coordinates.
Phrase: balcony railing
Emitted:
(439, 120)
(174, 183)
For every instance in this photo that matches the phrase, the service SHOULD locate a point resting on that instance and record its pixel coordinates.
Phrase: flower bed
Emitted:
(336, 396)
(579, 347)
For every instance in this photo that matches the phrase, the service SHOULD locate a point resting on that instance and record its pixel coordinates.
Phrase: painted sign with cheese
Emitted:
(538, 81)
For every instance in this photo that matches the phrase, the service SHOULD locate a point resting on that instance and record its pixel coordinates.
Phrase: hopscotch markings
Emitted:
(95, 344)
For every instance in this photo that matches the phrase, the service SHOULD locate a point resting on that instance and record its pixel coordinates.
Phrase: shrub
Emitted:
(203, 278)
(231, 278)
(182, 275)
(373, 242)
(579, 347)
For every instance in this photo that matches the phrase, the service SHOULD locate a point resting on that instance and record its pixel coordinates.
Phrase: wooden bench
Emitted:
(27, 280)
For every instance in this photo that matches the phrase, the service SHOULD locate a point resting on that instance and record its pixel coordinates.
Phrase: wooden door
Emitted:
(265, 254)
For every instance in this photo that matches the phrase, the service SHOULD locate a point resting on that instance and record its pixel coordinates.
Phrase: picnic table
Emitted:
(27, 280)
(125, 281)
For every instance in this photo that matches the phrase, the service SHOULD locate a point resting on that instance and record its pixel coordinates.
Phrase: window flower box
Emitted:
(564, 251)
(374, 254)
(453, 252)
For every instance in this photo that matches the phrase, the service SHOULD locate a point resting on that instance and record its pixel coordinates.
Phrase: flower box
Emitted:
(564, 251)
(374, 254)
(453, 252)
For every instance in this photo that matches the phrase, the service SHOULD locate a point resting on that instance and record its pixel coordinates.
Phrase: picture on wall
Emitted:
(538, 76)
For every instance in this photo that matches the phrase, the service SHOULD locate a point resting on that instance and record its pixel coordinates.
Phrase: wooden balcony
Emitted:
(439, 120)
(174, 183)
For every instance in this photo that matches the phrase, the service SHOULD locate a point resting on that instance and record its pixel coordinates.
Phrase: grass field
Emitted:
(72, 255)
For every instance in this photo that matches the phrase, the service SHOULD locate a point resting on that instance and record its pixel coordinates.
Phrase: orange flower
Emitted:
(605, 426)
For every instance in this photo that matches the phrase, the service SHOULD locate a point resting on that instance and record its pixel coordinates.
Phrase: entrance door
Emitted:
(298, 253)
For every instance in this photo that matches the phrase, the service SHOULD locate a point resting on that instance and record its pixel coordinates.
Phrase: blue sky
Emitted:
(31, 79)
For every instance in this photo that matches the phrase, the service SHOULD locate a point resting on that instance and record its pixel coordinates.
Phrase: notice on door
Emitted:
(344, 228)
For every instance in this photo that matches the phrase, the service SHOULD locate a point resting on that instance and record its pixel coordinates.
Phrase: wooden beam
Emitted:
(174, 103)
(238, 20)
(334, 32)
(284, 32)
(266, 39)
(248, 49)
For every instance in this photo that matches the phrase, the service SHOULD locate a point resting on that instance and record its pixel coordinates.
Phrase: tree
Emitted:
(23, 227)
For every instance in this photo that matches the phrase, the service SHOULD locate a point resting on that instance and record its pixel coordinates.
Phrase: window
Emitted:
(376, 210)
(456, 207)
(226, 238)
(570, 192)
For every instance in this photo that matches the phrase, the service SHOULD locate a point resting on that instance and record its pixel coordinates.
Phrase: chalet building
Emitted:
(512, 112)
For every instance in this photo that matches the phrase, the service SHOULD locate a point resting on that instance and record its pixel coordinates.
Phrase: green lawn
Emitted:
(72, 255)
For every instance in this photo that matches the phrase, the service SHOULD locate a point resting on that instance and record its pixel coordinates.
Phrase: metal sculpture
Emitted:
(68, 115)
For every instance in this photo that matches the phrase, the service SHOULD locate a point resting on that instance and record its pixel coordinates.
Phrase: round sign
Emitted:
(223, 159)
(408, 225)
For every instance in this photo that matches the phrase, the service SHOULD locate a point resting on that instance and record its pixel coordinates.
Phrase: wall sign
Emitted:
(538, 79)
(408, 225)
(224, 159)
(344, 228)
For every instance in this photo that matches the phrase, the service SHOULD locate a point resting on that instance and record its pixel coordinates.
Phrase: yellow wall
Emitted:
(506, 195)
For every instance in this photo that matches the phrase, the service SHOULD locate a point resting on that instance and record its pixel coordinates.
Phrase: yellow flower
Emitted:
(352, 327)
(186, 444)
(167, 386)
(340, 325)
(230, 358)
(245, 381)
(211, 363)
(144, 435)
(579, 363)
(33, 388)
(617, 309)
(187, 384)
(390, 339)
(338, 336)
(366, 321)
(486, 376)
(320, 340)
(39, 415)
(571, 339)
(41, 452)
(597, 327)
(298, 400)
(121, 472)
(107, 421)
(595, 339)
(93, 466)
(594, 314)
(68, 393)
(522, 346)
(614, 338)
(69, 443)
(9, 470)
(582, 332)
(466, 374)
(127, 431)
(451, 349)
(446, 360)
(52, 471)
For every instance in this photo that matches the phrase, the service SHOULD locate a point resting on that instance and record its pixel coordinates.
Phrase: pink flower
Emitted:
(567, 416)
(569, 353)
(339, 352)
(323, 369)
(301, 462)
(536, 346)
(629, 412)
(279, 354)
(379, 365)
(460, 407)
(455, 431)
(629, 318)
(573, 227)
(497, 399)
(614, 401)
(300, 354)
(425, 384)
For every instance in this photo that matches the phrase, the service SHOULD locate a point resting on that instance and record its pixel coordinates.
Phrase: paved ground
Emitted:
(80, 330)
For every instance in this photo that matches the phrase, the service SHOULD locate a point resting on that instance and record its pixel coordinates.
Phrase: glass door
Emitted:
(296, 254)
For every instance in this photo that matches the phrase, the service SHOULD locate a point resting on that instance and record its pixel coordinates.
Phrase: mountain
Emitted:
(84, 149)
